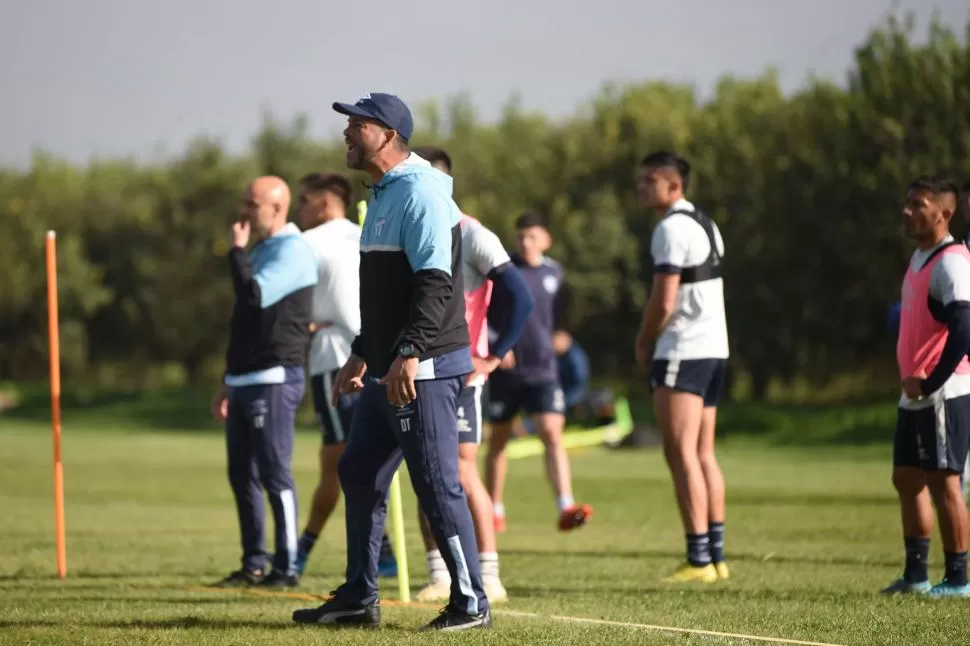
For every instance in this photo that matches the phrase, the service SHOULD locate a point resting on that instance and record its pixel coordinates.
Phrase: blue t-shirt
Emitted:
(535, 358)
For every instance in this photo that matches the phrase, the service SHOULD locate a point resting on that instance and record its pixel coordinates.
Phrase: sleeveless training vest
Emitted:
(711, 267)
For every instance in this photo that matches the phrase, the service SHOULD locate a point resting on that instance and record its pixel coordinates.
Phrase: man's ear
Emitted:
(546, 240)
(948, 207)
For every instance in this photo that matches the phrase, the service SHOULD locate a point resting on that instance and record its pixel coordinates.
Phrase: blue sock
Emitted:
(305, 546)
(956, 567)
(698, 550)
(917, 556)
(715, 533)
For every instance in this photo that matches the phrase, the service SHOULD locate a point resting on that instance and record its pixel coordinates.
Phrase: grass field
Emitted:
(812, 534)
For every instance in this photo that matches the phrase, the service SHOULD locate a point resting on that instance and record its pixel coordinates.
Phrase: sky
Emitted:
(109, 78)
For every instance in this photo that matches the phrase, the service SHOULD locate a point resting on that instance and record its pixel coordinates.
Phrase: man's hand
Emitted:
(561, 341)
(240, 233)
(643, 350)
(349, 379)
(400, 381)
(913, 387)
(220, 404)
(481, 366)
(508, 361)
(322, 325)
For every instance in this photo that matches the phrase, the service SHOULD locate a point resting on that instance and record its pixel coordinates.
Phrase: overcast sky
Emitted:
(118, 77)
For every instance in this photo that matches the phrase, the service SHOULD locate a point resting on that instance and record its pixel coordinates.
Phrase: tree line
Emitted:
(807, 189)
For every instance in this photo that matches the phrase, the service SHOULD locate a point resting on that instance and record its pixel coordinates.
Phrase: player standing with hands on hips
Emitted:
(933, 420)
(413, 347)
(683, 337)
(264, 383)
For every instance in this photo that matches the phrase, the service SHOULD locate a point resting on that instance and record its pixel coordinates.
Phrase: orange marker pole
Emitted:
(54, 342)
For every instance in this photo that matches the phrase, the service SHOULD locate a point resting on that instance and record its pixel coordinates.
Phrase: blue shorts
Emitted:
(334, 422)
(470, 415)
(702, 377)
(506, 399)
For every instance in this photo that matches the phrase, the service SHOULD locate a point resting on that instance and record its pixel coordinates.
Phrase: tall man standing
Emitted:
(335, 240)
(933, 424)
(485, 265)
(532, 383)
(264, 381)
(414, 348)
(684, 334)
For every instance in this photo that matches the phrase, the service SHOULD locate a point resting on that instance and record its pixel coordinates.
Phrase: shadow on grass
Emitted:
(724, 591)
(176, 409)
(105, 576)
(182, 409)
(178, 623)
(124, 597)
(857, 424)
(187, 409)
(751, 498)
(732, 557)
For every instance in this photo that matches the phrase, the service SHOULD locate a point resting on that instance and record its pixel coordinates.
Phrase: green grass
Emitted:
(812, 535)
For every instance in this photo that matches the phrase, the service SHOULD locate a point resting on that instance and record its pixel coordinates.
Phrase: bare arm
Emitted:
(659, 308)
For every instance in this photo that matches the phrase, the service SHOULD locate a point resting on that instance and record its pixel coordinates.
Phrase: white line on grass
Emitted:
(532, 615)
(669, 629)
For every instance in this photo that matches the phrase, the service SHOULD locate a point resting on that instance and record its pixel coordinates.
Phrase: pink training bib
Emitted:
(476, 310)
(922, 337)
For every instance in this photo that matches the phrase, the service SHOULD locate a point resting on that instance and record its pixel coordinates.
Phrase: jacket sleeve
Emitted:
(247, 289)
(429, 235)
(288, 267)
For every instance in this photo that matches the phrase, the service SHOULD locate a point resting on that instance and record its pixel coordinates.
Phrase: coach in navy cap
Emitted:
(410, 362)
(388, 109)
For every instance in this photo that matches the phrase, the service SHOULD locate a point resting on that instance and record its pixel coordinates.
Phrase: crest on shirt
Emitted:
(551, 284)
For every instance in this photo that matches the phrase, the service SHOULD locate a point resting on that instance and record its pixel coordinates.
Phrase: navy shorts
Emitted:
(506, 399)
(703, 377)
(334, 422)
(934, 438)
(470, 415)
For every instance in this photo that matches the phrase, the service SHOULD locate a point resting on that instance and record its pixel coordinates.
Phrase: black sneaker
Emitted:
(279, 581)
(338, 613)
(241, 579)
(451, 620)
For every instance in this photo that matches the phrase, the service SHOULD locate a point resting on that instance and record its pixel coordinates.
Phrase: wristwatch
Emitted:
(407, 351)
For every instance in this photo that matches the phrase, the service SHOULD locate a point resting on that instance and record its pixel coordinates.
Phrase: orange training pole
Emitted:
(55, 374)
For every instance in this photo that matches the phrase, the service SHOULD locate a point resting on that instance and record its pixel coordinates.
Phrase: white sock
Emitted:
(499, 509)
(564, 502)
(489, 564)
(437, 569)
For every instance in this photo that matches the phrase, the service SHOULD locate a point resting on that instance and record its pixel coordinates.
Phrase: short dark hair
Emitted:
(966, 186)
(528, 220)
(434, 155)
(671, 160)
(332, 182)
(935, 184)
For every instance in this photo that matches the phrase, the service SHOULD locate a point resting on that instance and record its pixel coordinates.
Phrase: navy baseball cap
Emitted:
(386, 108)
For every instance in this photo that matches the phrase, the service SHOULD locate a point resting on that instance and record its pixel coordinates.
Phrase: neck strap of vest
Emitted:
(711, 267)
(936, 252)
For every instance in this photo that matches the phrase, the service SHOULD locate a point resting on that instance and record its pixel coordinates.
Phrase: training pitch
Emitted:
(812, 535)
